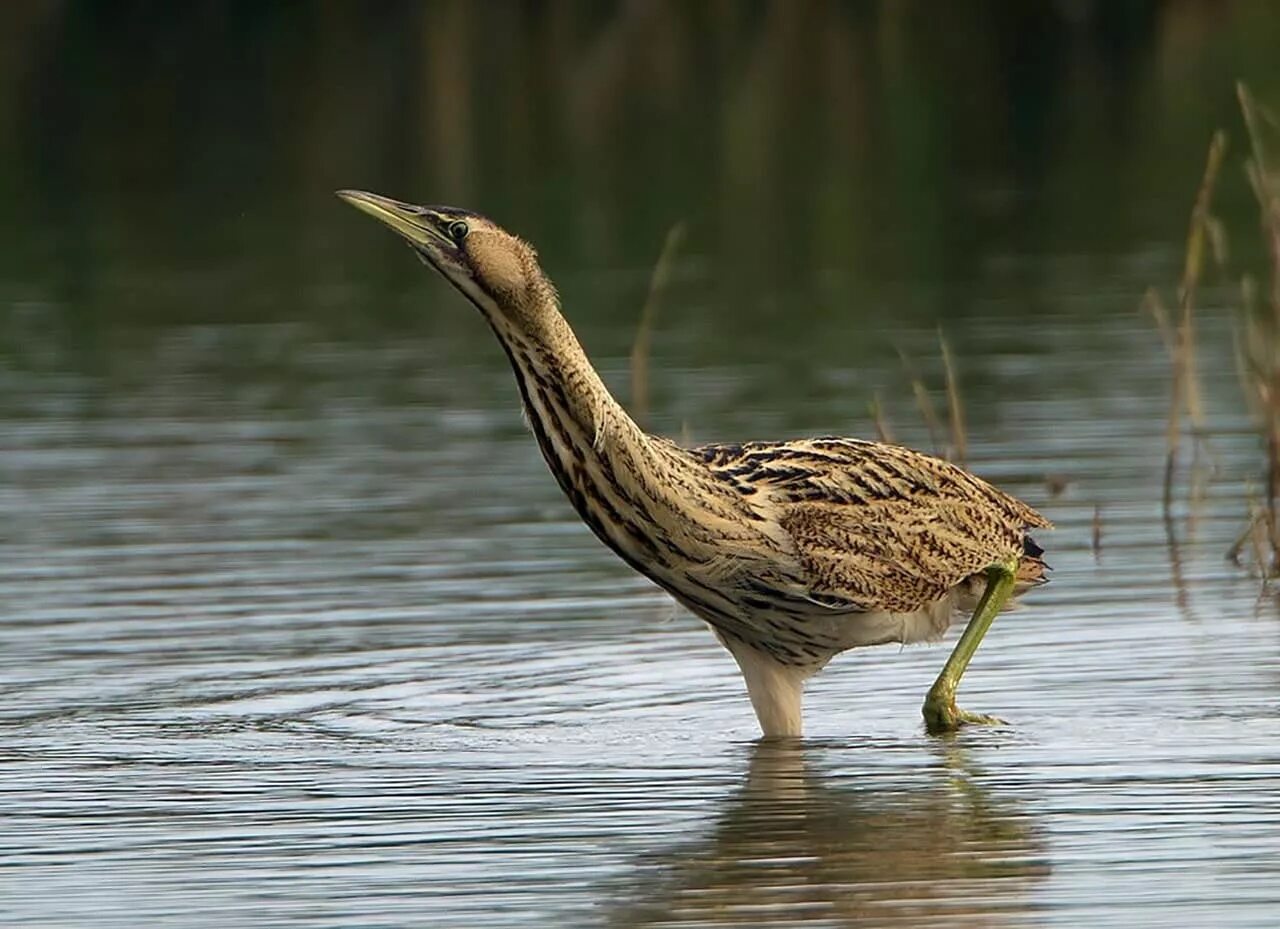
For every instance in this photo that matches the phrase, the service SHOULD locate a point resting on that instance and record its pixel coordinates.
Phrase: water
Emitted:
(360, 664)
(297, 630)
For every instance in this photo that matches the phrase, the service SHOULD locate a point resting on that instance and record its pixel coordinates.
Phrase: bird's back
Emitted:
(878, 527)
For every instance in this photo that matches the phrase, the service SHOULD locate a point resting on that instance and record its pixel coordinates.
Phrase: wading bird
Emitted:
(792, 552)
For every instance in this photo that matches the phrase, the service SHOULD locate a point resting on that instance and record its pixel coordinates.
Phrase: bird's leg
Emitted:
(776, 690)
(940, 711)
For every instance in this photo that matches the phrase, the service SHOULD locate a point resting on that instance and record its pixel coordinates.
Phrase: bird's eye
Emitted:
(458, 230)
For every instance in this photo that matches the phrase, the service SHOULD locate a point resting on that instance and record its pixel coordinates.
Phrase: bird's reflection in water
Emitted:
(796, 845)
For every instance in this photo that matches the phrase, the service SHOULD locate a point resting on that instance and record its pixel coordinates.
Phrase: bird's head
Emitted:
(494, 269)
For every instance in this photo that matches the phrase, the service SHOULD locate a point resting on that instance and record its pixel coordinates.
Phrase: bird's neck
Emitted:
(640, 495)
(564, 396)
(656, 505)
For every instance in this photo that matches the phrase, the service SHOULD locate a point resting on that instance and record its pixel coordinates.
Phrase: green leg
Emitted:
(940, 711)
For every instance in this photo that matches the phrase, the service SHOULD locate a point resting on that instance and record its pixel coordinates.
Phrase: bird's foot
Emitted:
(942, 715)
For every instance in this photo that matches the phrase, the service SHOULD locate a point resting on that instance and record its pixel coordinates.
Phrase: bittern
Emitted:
(792, 552)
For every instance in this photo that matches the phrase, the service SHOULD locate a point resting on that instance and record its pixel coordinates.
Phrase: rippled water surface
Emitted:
(356, 662)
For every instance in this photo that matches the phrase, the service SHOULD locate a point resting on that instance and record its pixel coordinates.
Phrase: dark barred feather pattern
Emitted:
(797, 549)
(881, 527)
(791, 551)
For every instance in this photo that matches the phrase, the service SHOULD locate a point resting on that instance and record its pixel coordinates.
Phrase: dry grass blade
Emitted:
(1154, 306)
(1261, 177)
(1243, 333)
(644, 331)
(883, 432)
(927, 411)
(1258, 352)
(1256, 516)
(959, 438)
(1186, 388)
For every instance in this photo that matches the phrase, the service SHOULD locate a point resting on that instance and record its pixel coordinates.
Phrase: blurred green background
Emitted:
(170, 164)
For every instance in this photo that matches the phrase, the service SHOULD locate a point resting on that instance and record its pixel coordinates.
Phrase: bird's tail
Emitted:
(1031, 568)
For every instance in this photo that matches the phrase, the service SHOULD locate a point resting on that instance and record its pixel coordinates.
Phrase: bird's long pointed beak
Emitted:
(405, 218)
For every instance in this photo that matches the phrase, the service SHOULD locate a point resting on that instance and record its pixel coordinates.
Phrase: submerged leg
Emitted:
(940, 711)
(776, 690)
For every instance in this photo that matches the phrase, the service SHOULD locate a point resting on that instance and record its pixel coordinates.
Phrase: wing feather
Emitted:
(876, 526)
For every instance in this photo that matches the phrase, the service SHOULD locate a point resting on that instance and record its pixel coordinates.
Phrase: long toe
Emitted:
(979, 719)
(941, 716)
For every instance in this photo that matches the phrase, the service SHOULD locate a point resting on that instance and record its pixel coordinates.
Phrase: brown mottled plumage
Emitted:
(791, 551)
(881, 527)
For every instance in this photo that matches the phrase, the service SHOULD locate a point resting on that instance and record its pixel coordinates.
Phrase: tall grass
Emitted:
(1258, 336)
(951, 442)
(658, 280)
(1257, 333)
(1204, 233)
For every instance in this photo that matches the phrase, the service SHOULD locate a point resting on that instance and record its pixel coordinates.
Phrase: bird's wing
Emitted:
(876, 526)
